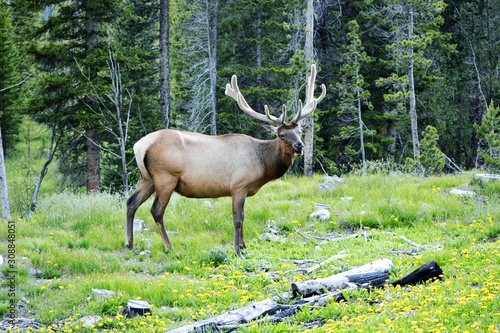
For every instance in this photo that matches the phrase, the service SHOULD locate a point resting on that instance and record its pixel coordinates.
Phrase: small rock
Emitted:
(327, 187)
(321, 215)
(139, 225)
(271, 237)
(89, 321)
(346, 199)
(332, 179)
(138, 308)
(462, 193)
(103, 294)
(36, 273)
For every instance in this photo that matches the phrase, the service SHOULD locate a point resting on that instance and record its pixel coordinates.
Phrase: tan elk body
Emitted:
(202, 166)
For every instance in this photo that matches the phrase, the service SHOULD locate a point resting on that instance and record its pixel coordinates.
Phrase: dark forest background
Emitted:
(406, 80)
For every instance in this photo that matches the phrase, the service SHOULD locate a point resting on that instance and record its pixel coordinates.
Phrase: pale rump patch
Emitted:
(140, 149)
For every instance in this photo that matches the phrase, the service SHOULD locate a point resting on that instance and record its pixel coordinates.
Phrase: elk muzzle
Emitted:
(297, 148)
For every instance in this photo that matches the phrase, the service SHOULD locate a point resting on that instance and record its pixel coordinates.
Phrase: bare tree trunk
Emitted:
(115, 122)
(212, 59)
(411, 86)
(93, 159)
(308, 122)
(258, 56)
(117, 99)
(164, 62)
(4, 191)
(391, 131)
(50, 155)
(361, 136)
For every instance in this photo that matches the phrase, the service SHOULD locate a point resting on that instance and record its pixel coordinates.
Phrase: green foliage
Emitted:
(489, 133)
(431, 158)
(9, 79)
(353, 94)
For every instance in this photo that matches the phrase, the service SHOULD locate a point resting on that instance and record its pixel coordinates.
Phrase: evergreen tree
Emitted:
(353, 94)
(489, 135)
(254, 43)
(10, 117)
(431, 158)
(71, 46)
(409, 28)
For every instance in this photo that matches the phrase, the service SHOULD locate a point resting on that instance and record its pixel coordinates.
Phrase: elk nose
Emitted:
(298, 146)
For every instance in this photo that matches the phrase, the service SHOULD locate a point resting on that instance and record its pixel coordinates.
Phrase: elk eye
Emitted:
(282, 136)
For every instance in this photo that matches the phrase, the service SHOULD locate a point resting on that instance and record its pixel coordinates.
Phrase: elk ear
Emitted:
(270, 128)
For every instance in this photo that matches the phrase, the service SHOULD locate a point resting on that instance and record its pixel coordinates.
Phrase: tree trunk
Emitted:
(164, 62)
(391, 133)
(43, 172)
(93, 167)
(411, 86)
(93, 160)
(360, 122)
(4, 191)
(308, 122)
(212, 60)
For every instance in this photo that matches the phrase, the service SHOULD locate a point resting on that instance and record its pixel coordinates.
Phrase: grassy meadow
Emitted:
(75, 243)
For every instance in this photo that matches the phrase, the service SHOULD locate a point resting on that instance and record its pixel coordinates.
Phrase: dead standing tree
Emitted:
(116, 119)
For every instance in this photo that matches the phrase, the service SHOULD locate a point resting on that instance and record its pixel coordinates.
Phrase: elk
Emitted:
(201, 166)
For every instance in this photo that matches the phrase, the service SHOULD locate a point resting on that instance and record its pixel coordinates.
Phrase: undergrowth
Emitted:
(75, 244)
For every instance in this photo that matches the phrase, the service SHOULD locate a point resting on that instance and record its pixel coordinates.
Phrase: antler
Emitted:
(234, 92)
(311, 102)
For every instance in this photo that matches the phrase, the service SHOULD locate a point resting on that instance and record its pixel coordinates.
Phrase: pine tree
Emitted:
(9, 60)
(431, 158)
(489, 134)
(71, 47)
(353, 94)
(254, 43)
(410, 27)
(10, 116)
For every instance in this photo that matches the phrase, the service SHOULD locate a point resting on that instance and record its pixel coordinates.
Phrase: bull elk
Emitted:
(202, 166)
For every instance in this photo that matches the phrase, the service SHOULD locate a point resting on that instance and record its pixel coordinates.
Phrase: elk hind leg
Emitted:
(158, 210)
(141, 194)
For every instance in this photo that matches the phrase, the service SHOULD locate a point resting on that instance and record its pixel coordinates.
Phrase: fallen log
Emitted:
(374, 274)
(426, 272)
(368, 276)
(232, 318)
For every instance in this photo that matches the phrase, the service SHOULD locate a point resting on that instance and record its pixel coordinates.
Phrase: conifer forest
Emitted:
(412, 83)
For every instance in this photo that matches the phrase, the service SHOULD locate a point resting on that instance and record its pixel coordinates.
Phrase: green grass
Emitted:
(75, 243)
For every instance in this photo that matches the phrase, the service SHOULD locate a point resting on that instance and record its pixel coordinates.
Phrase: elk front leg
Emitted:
(238, 217)
(141, 194)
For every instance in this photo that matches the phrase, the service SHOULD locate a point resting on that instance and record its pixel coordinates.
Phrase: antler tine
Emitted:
(311, 102)
(234, 92)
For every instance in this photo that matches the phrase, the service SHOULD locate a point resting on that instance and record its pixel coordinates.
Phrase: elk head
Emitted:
(288, 133)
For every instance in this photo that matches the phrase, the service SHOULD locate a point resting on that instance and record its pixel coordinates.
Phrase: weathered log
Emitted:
(426, 272)
(232, 318)
(374, 274)
(367, 276)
